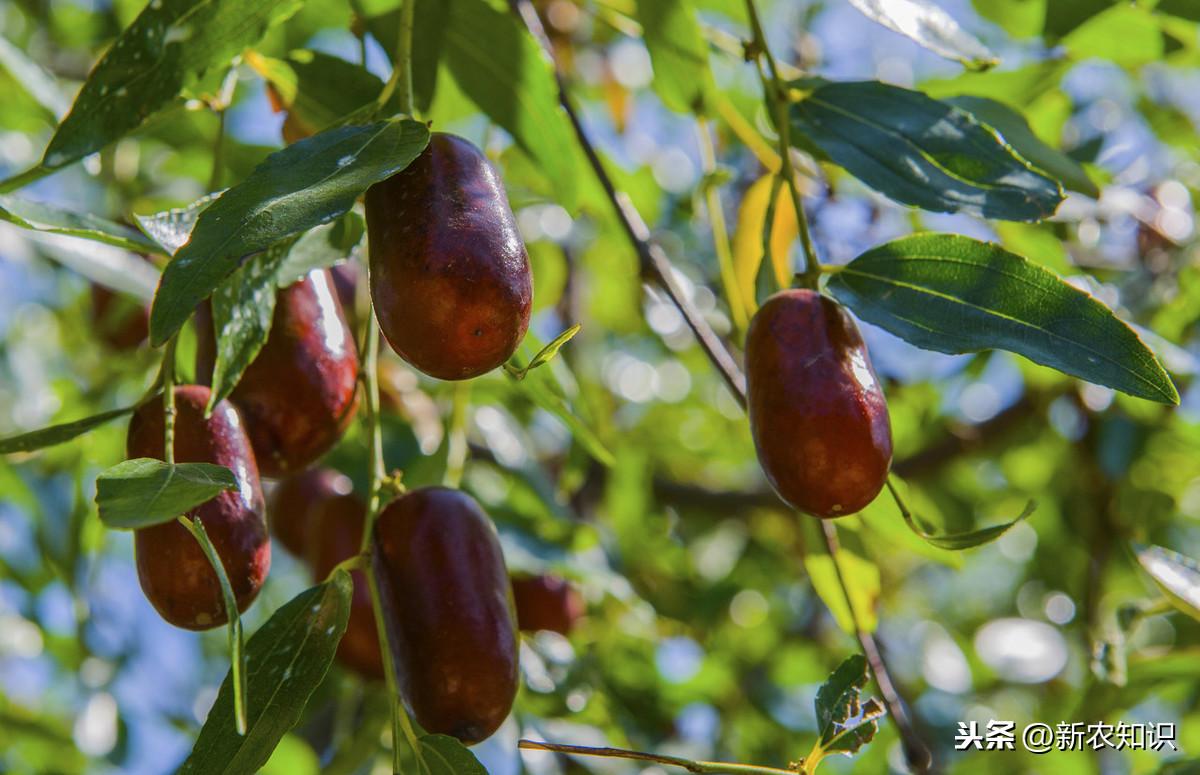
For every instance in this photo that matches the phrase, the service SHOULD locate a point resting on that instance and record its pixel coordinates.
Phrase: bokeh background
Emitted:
(707, 631)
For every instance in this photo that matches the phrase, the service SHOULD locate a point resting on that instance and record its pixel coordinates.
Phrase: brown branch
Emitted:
(654, 261)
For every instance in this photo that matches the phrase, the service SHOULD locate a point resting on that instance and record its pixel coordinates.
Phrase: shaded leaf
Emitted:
(47, 218)
(1015, 131)
(839, 710)
(306, 184)
(678, 53)
(1176, 575)
(57, 434)
(320, 248)
(959, 541)
(445, 755)
(170, 45)
(920, 151)
(931, 27)
(143, 491)
(953, 294)
(286, 660)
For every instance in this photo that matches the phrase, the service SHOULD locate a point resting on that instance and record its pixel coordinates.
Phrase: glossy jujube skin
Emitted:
(546, 603)
(119, 322)
(295, 501)
(174, 573)
(335, 535)
(447, 604)
(449, 277)
(299, 394)
(817, 411)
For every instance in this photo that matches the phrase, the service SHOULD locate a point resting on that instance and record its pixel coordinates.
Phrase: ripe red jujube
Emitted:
(294, 503)
(175, 575)
(299, 394)
(817, 411)
(335, 535)
(449, 276)
(120, 322)
(447, 603)
(546, 603)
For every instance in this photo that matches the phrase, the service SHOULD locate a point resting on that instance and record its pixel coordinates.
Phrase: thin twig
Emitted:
(654, 260)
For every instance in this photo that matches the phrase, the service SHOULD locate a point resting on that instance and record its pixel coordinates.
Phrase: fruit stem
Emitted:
(400, 83)
(775, 94)
(456, 450)
(168, 381)
(720, 231)
(716, 768)
(22, 179)
(652, 257)
(401, 725)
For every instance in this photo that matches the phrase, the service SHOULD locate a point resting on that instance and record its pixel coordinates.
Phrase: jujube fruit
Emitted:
(300, 392)
(120, 322)
(817, 412)
(335, 535)
(447, 604)
(449, 276)
(546, 603)
(174, 573)
(295, 501)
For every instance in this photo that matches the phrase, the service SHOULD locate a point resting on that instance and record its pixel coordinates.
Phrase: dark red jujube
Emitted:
(450, 277)
(294, 503)
(175, 575)
(817, 411)
(299, 395)
(449, 612)
(546, 603)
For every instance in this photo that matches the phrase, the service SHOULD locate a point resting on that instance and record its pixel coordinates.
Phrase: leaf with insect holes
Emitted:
(37, 216)
(307, 184)
(1176, 575)
(57, 434)
(143, 492)
(167, 48)
(845, 723)
(931, 27)
(954, 294)
(285, 660)
(919, 151)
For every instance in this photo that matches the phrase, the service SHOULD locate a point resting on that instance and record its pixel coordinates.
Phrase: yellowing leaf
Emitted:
(748, 238)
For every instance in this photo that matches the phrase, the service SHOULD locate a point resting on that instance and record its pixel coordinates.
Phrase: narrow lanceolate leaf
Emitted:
(37, 82)
(931, 27)
(748, 240)
(920, 151)
(1015, 131)
(970, 539)
(53, 220)
(306, 184)
(171, 229)
(444, 755)
(144, 492)
(1176, 575)
(501, 68)
(678, 53)
(170, 45)
(953, 294)
(286, 660)
(57, 434)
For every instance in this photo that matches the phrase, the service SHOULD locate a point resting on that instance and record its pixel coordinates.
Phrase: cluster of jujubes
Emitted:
(817, 412)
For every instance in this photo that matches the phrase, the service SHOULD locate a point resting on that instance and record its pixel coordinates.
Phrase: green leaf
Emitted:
(57, 434)
(1015, 131)
(36, 82)
(444, 755)
(678, 53)
(920, 151)
(959, 541)
(931, 27)
(287, 659)
(168, 48)
(1019, 18)
(430, 18)
(1124, 34)
(172, 228)
(846, 724)
(242, 309)
(953, 294)
(143, 491)
(1176, 575)
(544, 355)
(503, 70)
(862, 583)
(306, 184)
(320, 248)
(318, 89)
(52, 220)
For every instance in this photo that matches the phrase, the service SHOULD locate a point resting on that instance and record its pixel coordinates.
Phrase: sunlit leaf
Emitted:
(678, 53)
(1176, 575)
(930, 26)
(748, 239)
(51, 219)
(143, 491)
